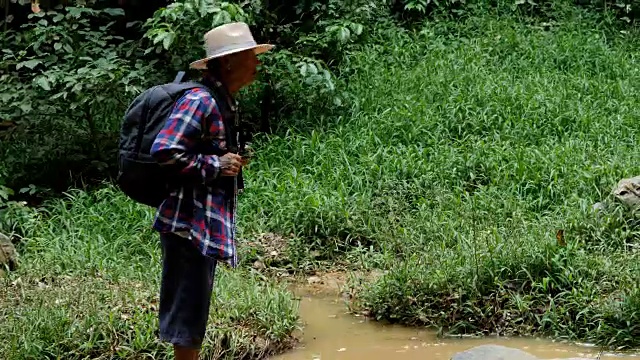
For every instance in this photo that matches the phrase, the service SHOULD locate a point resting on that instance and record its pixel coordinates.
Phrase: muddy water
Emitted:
(331, 333)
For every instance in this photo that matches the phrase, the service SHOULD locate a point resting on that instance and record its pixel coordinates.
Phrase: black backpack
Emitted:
(139, 175)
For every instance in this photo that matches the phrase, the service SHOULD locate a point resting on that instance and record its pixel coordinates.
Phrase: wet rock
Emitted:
(8, 254)
(493, 352)
(599, 206)
(497, 352)
(259, 265)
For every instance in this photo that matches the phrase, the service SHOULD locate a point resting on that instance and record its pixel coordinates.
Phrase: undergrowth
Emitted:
(468, 146)
(88, 287)
(463, 148)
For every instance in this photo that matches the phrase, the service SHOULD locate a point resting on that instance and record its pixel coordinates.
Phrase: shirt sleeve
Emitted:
(176, 141)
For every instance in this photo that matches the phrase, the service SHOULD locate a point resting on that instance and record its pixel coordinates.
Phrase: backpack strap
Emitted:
(143, 123)
(179, 77)
(221, 97)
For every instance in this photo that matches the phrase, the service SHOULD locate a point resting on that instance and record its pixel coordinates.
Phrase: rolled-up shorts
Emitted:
(185, 291)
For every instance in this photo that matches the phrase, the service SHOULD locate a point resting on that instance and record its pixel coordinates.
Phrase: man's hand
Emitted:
(246, 154)
(230, 164)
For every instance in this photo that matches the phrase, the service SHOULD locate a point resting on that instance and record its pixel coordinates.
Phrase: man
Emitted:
(197, 221)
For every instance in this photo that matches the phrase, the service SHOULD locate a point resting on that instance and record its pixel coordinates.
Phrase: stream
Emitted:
(332, 333)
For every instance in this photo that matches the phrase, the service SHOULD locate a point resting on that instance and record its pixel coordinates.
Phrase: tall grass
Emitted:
(467, 146)
(88, 287)
(464, 148)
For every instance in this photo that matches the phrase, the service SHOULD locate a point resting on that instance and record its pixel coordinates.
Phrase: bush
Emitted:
(66, 80)
(69, 73)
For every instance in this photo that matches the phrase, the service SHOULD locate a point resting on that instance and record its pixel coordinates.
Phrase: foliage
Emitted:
(13, 214)
(63, 83)
(298, 72)
(87, 286)
(68, 75)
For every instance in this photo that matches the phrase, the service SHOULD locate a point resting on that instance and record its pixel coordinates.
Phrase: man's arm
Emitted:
(181, 133)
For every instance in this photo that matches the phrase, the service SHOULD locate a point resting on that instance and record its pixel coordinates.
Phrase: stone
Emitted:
(599, 206)
(8, 254)
(628, 192)
(493, 352)
(497, 352)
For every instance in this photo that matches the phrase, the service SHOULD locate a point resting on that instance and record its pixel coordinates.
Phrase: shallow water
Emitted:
(331, 333)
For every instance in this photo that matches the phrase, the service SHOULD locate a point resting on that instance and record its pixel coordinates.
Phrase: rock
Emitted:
(628, 192)
(497, 352)
(8, 254)
(493, 352)
(599, 206)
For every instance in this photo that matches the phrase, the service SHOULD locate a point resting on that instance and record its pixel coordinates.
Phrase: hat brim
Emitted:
(258, 49)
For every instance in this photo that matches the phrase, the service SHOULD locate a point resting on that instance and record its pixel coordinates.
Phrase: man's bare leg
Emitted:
(183, 353)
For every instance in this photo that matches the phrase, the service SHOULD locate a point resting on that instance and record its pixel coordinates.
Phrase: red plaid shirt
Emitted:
(197, 210)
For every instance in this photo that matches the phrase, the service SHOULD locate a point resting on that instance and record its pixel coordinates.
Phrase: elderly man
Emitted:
(197, 220)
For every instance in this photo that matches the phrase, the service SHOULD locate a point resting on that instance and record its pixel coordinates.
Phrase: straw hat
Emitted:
(228, 39)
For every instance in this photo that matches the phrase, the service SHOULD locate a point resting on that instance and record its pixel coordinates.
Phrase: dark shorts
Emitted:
(185, 291)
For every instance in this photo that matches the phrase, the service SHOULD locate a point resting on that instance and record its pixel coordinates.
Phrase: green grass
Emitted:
(88, 286)
(465, 147)
(461, 149)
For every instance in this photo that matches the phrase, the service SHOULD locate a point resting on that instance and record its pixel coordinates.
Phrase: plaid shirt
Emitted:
(203, 213)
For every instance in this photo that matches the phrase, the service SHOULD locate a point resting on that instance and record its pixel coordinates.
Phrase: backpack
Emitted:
(140, 177)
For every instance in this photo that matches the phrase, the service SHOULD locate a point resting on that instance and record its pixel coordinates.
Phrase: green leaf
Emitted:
(26, 107)
(43, 82)
(77, 12)
(344, 34)
(159, 37)
(358, 28)
(50, 59)
(31, 64)
(114, 11)
(168, 40)
(5, 192)
(313, 69)
(57, 46)
(327, 75)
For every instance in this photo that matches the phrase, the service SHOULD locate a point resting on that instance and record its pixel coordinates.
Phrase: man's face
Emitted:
(239, 69)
